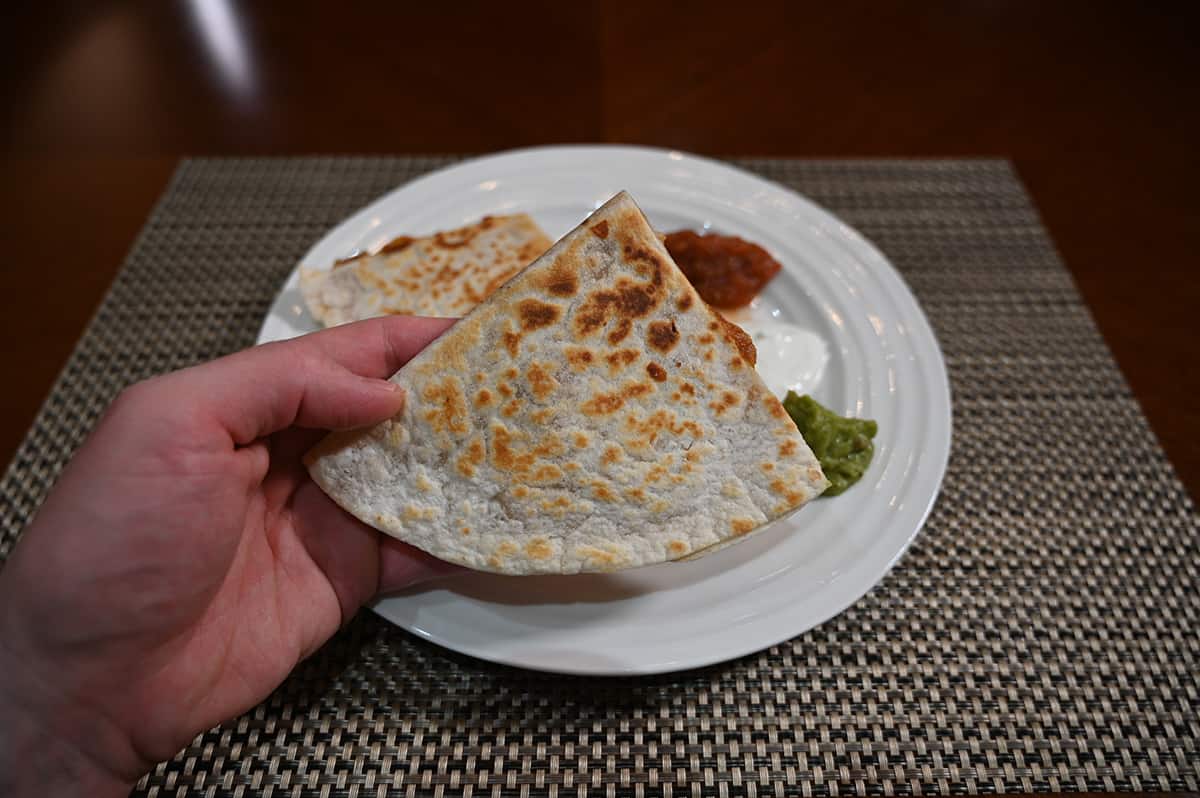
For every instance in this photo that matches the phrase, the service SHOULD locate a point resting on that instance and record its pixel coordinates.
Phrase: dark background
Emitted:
(1096, 103)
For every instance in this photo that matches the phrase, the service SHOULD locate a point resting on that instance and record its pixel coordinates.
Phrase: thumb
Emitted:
(325, 380)
(270, 388)
(344, 400)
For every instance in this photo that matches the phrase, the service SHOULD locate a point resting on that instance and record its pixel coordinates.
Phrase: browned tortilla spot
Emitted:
(632, 390)
(775, 408)
(603, 404)
(601, 228)
(740, 340)
(742, 525)
(647, 263)
(597, 555)
(540, 381)
(550, 446)
(562, 282)
(620, 332)
(579, 359)
(470, 458)
(626, 300)
(602, 491)
(656, 372)
(662, 335)
(612, 454)
(621, 358)
(503, 456)
(447, 406)
(538, 549)
(547, 473)
(413, 512)
(535, 314)
(470, 293)
(557, 505)
(512, 342)
(454, 239)
(398, 244)
(788, 492)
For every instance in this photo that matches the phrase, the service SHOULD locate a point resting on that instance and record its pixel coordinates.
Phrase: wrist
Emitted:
(37, 759)
(50, 745)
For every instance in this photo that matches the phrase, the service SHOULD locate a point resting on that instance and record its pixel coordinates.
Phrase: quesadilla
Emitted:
(594, 414)
(445, 274)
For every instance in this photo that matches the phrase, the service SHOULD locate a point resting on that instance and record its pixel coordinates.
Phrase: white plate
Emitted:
(883, 363)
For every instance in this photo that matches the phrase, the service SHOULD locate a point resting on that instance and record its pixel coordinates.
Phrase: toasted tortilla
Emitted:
(594, 414)
(445, 274)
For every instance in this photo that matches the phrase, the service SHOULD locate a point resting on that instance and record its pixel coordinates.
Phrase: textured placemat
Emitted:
(1040, 635)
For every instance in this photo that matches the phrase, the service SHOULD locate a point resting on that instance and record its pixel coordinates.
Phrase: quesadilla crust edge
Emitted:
(444, 274)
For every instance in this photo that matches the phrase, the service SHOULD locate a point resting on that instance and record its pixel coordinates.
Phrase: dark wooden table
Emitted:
(1097, 104)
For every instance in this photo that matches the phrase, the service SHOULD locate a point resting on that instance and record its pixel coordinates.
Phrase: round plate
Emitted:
(882, 362)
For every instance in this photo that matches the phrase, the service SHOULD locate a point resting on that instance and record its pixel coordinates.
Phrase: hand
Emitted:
(185, 563)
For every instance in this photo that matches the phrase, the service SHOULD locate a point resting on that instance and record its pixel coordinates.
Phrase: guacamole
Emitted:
(843, 445)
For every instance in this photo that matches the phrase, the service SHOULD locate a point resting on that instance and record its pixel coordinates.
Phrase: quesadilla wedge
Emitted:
(445, 274)
(593, 414)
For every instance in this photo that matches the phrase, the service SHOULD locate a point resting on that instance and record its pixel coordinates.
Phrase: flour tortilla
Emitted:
(594, 414)
(445, 274)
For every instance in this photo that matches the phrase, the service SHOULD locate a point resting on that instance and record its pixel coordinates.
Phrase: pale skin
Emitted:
(184, 563)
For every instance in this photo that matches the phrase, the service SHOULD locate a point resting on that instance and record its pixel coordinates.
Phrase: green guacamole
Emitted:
(843, 445)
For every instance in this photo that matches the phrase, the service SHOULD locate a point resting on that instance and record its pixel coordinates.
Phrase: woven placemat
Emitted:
(1040, 635)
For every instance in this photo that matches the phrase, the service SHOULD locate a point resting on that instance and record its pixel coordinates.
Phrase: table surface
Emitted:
(1038, 636)
(1096, 104)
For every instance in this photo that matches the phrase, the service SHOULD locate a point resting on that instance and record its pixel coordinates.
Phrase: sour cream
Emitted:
(790, 358)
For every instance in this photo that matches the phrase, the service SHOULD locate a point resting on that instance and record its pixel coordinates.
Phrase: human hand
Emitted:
(184, 563)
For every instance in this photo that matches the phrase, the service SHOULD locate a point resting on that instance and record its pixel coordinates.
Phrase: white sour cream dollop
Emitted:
(790, 358)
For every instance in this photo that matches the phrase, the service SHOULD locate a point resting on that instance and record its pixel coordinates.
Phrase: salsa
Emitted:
(843, 445)
(726, 271)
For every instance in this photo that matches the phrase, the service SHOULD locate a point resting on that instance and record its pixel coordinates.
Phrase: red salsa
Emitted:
(726, 271)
